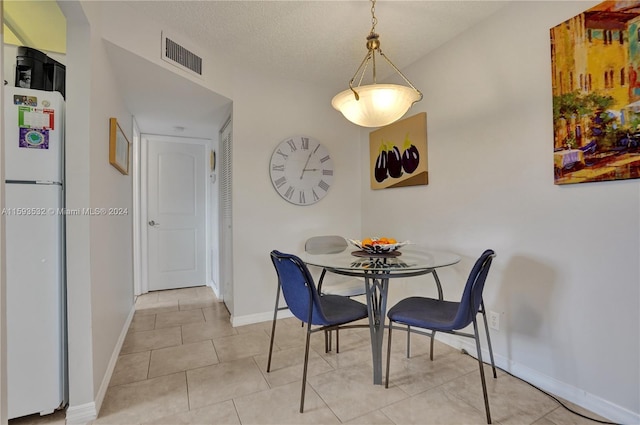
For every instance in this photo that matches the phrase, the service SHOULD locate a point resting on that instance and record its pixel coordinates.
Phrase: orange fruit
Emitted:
(383, 240)
(366, 241)
(391, 240)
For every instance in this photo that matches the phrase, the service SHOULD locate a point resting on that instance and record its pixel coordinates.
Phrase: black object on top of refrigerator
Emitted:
(35, 70)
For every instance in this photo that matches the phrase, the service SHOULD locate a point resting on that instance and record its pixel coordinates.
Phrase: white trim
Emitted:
(144, 264)
(591, 402)
(216, 290)
(102, 391)
(258, 318)
(135, 164)
(82, 414)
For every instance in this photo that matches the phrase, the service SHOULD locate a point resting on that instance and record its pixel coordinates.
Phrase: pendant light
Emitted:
(375, 105)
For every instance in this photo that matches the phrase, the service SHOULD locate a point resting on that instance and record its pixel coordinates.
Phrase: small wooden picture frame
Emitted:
(118, 147)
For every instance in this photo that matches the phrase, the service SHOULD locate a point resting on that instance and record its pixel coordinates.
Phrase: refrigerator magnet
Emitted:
(34, 138)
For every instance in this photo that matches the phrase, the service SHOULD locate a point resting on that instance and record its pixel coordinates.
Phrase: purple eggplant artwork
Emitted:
(398, 154)
(410, 156)
(381, 170)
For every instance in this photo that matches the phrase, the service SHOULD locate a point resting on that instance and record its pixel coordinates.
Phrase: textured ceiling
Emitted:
(321, 42)
(318, 42)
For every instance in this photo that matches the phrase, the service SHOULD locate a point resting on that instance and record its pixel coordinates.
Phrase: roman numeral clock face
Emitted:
(301, 170)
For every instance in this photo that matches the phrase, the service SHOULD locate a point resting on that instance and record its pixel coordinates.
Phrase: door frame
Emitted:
(141, 203)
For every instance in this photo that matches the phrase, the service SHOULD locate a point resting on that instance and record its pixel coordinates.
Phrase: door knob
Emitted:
(153, 223)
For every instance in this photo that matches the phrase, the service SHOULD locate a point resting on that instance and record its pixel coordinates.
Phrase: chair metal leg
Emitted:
(481, 365)
(273, 327)
(486, 328)
(386, 382)
(304, 372)
(337, 340)
(433, 337)
(408, 341)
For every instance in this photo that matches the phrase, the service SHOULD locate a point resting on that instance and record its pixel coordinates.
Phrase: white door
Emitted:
(176, 208)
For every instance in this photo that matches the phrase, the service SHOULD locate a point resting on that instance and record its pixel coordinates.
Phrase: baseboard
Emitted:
(82, 414)
(591, 402)
(102, 391)
(250, 319)
(214, 288)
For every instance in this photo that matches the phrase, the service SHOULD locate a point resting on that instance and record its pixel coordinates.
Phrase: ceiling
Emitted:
(321, 42)
(318, 42)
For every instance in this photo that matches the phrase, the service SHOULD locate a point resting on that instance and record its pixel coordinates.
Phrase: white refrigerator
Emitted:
(35, 251)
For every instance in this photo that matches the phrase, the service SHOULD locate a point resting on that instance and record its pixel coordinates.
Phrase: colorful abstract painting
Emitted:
(398, 153)
(595, 60)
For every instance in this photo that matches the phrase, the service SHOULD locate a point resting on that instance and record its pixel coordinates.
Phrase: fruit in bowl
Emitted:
(377, 245)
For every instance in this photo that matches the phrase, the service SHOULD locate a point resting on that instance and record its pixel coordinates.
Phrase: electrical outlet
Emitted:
(494, 320)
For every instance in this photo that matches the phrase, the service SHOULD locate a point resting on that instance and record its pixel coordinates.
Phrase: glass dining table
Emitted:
(377, 270)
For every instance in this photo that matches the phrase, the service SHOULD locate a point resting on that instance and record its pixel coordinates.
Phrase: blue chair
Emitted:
(334, 284)
(327, 312)
(448, 316)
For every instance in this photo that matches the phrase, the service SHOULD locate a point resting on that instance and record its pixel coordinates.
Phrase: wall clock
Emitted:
(301, 170)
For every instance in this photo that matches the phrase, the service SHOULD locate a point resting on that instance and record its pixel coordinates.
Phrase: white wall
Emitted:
(566, 277)
(266, 111)
(100, 270)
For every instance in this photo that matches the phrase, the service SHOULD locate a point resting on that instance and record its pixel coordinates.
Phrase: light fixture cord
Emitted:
(374, 20)
(373, 44)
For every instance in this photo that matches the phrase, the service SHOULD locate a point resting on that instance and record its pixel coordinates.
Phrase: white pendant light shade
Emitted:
(379, 104)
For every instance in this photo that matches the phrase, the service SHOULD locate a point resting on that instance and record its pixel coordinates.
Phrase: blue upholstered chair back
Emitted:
(472, 295)
(298, 288)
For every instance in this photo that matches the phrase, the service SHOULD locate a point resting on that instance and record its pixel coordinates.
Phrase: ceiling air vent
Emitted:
(178, 55)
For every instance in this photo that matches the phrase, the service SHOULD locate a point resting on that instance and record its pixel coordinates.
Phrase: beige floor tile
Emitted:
(562, 416)
(201, 331)
(170, 360)
(145, 400)
(434, 407)
(292, 335)
(148, 298)
(157, 307)
(204, 291)
(511, 401)
(131, 368)
(256, 327)
(287, 366)
(176, 318)
(224, 381)
(151, 340)
(281, 405)
(178, 294)
(350, 392)
(236, 347)
(373, 418)
(216, 313)
(199, 302)
(418, 373)
(217, 414)
(350, 355)
(142, 322)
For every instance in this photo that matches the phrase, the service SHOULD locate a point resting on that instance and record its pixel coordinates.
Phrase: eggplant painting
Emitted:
(399, 153)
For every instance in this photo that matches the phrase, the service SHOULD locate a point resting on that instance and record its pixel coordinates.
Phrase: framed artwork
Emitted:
(595, 68)
(398, 153)
(118, 147)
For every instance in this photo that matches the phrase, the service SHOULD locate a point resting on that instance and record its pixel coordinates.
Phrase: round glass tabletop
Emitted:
(407, 258)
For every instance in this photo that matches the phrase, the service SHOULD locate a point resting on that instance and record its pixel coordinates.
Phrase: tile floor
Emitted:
(183, 363)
